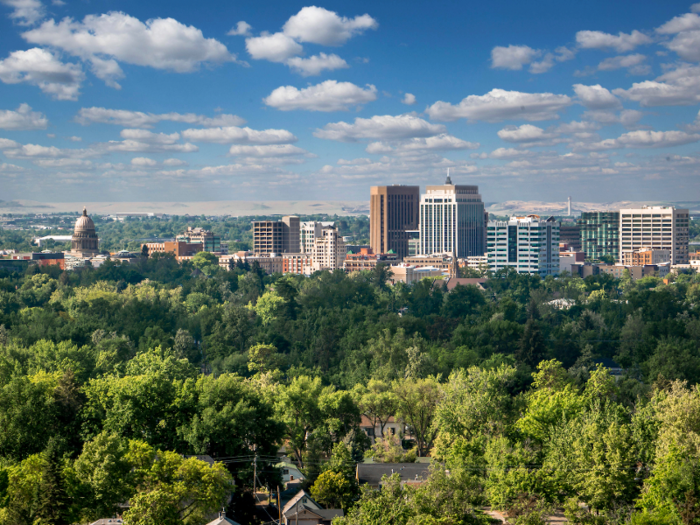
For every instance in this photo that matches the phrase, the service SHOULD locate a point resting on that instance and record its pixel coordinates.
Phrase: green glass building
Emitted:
(600, 234)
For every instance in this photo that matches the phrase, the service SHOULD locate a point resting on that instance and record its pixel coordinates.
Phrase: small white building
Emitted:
(290, 472)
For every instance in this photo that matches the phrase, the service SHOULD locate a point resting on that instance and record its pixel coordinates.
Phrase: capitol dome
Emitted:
(85, 242)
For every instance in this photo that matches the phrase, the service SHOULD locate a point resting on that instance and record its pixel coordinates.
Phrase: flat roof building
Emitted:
(276, 236)
(657, 228)
(526, 244)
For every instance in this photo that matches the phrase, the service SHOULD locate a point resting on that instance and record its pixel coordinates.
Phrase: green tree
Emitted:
(417, 401)
(333, 490)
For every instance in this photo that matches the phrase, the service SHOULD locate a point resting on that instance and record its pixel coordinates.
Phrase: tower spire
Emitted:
(448, 180)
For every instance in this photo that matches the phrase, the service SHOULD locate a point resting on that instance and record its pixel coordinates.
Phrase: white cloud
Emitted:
(643, 139)
(272, 150)
(234, 135)
(380, 127)
(314, 65)
(577, 127)
(627, 117)
(527, 133)
(679, 87)
(105, 40)
(442, 142)
(626, 61)
(409, 99)
(277, 47)
(137, 146)
(507, 153)
(513, 57)
(138, 119)
(499, 105)
(686, 45)
(143, 162)
(75, 139)
(686, 22)
(40, 68)
(320, 26)
(596, 97)
(25, 12)
(242, 29)
(36, 151)
(63, 163)
(174, 162)
(621, 43)
(149, 137)
(23, 118)
(399, 169)
(330, 95)
(543, 65)
(9, 144)
(10, 168)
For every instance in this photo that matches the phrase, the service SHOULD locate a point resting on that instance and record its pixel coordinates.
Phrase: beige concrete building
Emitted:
(409, 274)
(308, 232)
(276, 236)
(441, 261)
(181, 250)
(329, 250)
(655, 228)
(393, 210)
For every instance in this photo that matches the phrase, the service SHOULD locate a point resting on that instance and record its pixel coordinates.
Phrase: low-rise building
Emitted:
(409, 274)
(297, 263)
(645, 256)
(442, 261)
(367, 260)
(180, 249)
(42, 258)
(475, 262)
(636, 272)
(209, 241)
(570, 258)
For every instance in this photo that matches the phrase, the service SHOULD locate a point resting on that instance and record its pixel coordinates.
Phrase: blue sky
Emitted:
(190, 101)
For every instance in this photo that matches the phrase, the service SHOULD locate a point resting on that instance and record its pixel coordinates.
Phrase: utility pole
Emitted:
(279, 503)
(255, 472)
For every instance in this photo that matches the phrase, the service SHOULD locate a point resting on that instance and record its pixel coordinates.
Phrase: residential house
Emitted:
(374, 429)
(290, 472)
(303, 510)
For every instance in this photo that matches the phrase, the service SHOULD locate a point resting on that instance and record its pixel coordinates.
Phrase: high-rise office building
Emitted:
(600, 234)
(527, 244)
(308, 232)
(570, 233)
(452, 220)
(657, 228)
(393, 211)
(276, 236)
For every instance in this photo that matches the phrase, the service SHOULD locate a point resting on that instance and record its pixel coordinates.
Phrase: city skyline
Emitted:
(291, 101)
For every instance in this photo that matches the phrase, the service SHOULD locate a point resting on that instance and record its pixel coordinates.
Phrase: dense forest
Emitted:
(110, 378)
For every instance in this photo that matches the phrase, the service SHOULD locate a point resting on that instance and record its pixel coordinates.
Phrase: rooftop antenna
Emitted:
(569, 210)
(448, 181)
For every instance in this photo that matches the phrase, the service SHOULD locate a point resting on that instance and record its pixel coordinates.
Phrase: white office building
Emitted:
(308, 232)
(452, 220)
(329, 250)
(527, 244)
(655, 228)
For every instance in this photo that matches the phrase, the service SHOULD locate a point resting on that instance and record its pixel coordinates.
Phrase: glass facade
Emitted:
(600, 234)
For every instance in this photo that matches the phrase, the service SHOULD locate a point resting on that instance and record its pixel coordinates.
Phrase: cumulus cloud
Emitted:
(442, 142)
(235, 135)
(8, 144)
(398, 169)
(678, 87)
(174, 162)
(25, 12)
(36, 151)
(380, 127)
(408, 99)
(330, 95)
(138, 119)
(686, 43)
(622, 43)
(41, 68)
(526, 134)
(643, 139)
(242, 29)
(105, 40)
(631, 62)
(277, 47)
(596, 97)
(627, 117)
(512, 57)
(75, 138)
(499, 105)
(314, 65)
(22, 119)
(271, 150)
(320, 26)
(143, 162)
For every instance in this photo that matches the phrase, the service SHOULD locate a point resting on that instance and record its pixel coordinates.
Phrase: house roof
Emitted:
(108, 521)
(372, 473)
(223, 520)
(304, 511)
(367, 422)
(298, 496)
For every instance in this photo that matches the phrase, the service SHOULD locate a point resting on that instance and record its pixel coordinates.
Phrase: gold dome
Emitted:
(84, 223)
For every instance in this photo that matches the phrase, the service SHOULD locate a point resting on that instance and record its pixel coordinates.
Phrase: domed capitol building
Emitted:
(85, 242)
